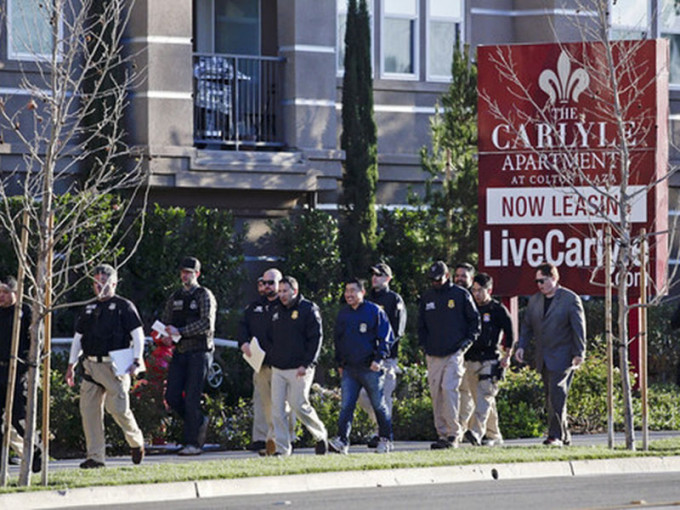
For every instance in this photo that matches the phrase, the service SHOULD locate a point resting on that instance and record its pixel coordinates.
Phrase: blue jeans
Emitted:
(186, 377)
(353, 379)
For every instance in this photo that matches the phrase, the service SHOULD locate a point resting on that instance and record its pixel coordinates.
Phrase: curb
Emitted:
(145, 493)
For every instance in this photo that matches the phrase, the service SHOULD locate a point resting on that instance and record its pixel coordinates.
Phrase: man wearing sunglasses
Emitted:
(448, 324)
(555, 321)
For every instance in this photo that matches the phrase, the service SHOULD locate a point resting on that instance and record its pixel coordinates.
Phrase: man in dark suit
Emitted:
(555, 320)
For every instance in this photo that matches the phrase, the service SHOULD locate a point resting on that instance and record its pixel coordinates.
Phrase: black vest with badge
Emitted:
(185, 310)
(102, 325)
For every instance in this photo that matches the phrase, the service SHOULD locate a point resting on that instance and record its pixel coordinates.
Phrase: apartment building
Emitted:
(241, 106)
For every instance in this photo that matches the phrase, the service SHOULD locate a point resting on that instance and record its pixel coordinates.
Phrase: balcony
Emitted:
(237, 102)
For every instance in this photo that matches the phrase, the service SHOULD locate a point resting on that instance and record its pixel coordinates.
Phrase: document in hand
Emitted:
(122, 359)
(256, 355)
(159, 327)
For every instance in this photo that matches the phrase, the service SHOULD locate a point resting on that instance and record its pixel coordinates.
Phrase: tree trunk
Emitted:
(623, 356)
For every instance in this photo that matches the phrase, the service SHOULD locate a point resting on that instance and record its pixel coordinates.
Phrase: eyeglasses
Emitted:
(540, 281)
(268, 282)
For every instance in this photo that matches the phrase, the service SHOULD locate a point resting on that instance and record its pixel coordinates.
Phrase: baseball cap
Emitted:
(437, 270)
(191, 264)
(382, 269)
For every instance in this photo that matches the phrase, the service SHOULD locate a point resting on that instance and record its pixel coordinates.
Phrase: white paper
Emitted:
(159, 328)
(256, 355)
(122, 359)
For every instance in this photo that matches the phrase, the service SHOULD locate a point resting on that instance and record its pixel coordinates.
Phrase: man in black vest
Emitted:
(109, 324)
(190, 322)
(8, 300)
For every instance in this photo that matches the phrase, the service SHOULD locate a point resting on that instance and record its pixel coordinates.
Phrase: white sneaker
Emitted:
(190, 450)
(493, 442)
(384, 446)
(337, 445)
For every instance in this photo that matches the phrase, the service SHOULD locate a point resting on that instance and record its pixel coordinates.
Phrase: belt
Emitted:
(99, 359)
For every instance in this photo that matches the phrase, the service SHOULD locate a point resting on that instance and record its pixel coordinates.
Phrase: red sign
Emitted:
(552, 159)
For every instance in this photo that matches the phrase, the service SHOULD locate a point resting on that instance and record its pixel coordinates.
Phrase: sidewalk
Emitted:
(332, 480)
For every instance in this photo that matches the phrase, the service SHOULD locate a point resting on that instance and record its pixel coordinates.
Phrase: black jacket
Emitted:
(448, 320)
(294, 335)
(393, 305)
(255, 321)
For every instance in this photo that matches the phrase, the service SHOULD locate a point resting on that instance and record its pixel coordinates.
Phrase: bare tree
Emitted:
(618, 119)
(66, 121)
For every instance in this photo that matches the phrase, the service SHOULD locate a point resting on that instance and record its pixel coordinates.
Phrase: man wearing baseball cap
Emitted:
(393, 305)
(448, 324)
(190, 322)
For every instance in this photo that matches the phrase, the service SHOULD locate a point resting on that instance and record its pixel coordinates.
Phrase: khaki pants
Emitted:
(287, 386)
(113, 394)
(478, 400)
(263, 428)
(444, 375)
(263, 423)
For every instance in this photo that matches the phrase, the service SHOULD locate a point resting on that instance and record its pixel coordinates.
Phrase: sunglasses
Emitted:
(268, 282)
(540, 281)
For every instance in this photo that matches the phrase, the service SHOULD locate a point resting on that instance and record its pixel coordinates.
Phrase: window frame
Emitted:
(23, 56)
(460, 22)
(415, 75)
(341, 8)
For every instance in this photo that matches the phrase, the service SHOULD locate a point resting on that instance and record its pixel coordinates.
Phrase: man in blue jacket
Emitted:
(448, 324)
(293, 343)
(363, 336)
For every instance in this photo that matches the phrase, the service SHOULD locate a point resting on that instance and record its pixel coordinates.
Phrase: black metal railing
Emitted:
(237, 101)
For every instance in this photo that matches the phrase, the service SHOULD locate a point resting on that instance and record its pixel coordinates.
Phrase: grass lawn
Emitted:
(300, 464)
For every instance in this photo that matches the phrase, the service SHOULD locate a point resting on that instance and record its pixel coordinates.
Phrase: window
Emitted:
(237, 27)
(669, 23)
(444, 27)
(342, 29)
(228, 26)
(29, 33)
(629, 19)
(399, 36)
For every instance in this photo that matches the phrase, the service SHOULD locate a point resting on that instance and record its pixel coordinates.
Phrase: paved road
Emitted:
(644, 491)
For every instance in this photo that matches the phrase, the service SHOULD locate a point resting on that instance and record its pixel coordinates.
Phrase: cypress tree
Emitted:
(359, 141)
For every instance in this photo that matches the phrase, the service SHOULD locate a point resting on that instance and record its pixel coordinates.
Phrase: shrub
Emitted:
(520, 404)
(309, 244)
(587, 402)
(663, 407)
(412, 417)
(230, 425)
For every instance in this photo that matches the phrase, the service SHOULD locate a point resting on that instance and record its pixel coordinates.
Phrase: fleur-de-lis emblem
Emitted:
(564, 85)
